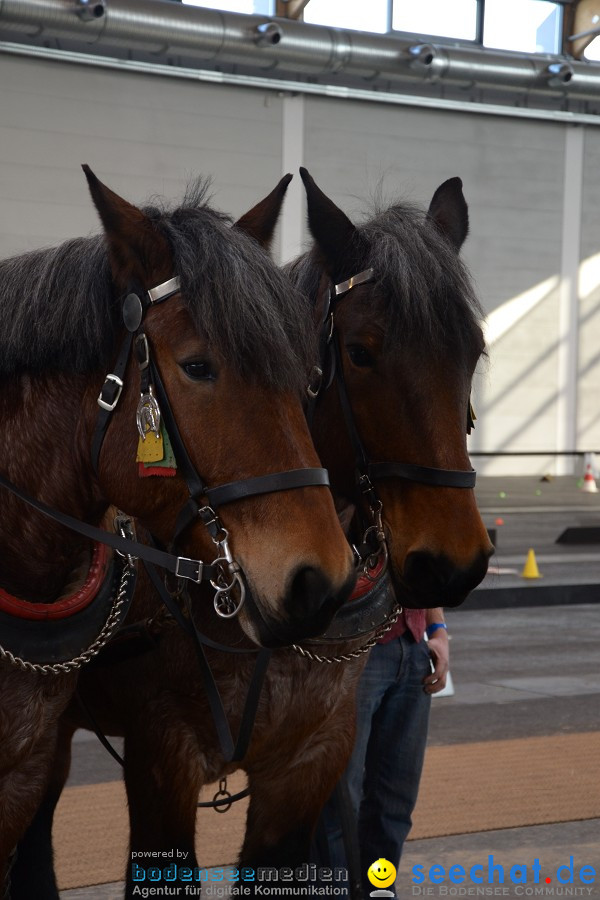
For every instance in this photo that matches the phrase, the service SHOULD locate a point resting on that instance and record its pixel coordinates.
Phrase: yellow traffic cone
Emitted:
(531, 567)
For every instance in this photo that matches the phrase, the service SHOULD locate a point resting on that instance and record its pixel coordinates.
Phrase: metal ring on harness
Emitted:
(222, 806)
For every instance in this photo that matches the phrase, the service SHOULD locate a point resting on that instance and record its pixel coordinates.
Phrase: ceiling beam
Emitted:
(291, 9)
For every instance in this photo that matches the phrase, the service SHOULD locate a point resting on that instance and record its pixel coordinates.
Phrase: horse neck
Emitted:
(45, 451)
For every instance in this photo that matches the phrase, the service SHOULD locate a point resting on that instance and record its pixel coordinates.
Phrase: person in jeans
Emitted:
(393, 704)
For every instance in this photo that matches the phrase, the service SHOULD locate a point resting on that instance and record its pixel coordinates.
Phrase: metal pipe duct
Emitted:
(212, 38)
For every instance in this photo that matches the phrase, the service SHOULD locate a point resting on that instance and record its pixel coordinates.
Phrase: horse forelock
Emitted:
(423, 292)
(59, 310)
(424, 286)
(238, 298)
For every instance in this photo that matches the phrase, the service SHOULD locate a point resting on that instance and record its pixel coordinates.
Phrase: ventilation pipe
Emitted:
(209, 37)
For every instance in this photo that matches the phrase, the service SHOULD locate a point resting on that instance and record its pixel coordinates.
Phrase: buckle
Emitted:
(124, 526)
(105, 404)
(194, 569)
(142, 351)
(315, 382)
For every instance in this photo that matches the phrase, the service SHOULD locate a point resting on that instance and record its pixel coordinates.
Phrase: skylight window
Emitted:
(355, 14)
(444, 18)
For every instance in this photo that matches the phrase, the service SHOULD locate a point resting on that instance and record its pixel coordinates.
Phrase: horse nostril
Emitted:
(434, 577)
(312, 601)
(426, 572)
(309, 591)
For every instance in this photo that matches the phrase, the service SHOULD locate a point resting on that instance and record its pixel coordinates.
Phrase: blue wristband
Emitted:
(431, 629)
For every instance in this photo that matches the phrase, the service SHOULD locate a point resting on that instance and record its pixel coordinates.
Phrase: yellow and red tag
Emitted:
(155, 455)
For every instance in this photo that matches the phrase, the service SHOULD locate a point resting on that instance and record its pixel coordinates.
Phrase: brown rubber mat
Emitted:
(506, 784)
(91, 832)
(465, 788)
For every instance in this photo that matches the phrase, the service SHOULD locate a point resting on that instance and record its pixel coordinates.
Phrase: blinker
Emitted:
(132, 312)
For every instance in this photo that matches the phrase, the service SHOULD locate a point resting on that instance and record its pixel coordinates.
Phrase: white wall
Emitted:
(145, 135)
(141, 135)
(512, 172)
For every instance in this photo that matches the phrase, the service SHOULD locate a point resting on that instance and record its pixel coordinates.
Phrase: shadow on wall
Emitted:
(516, 403)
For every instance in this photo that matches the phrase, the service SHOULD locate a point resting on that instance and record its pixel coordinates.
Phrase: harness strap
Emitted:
(423, 474)
(192, 569)
(326, 368)
(193, 480)
(430, 475)
(135, 303)
(235, 490)
(232, 752)
(227, 800)
(108, 398)
(267, 484)
(360, 454)
(98, 731)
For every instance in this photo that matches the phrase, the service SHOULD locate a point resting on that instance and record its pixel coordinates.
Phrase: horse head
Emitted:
(397, 305)
(221, 359)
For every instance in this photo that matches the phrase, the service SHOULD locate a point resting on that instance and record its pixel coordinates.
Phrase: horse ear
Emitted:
(336, 236)
(136, 249)
(260, 221)
(449, 211)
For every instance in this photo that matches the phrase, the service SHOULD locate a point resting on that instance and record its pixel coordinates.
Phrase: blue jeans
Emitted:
(385, 768)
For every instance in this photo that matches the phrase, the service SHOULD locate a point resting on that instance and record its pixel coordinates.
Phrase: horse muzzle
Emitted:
(310, 603)
(433, 579)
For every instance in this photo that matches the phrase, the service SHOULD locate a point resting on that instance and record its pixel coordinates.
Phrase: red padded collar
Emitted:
(68, 606)
(364, 583)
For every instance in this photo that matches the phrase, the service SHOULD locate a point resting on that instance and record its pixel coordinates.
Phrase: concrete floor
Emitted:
(533, 515)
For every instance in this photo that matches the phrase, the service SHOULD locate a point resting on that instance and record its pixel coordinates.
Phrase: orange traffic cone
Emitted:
(589, 482)
(530, 569)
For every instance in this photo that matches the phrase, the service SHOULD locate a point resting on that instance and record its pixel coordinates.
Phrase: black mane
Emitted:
(59, 310)
(425, 287)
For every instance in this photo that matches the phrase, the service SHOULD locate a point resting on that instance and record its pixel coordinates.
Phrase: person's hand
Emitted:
(439, 650)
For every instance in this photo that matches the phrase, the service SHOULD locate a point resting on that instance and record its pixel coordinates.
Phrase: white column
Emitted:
(292, 157)
(568, 323)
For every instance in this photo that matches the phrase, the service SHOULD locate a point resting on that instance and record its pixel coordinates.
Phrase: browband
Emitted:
(361, 278)
(164, 291)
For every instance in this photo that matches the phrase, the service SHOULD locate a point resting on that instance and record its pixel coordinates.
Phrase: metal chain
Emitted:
(352, 654)
(94, 648)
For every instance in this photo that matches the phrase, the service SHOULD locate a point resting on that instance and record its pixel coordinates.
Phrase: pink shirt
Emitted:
(412, 620)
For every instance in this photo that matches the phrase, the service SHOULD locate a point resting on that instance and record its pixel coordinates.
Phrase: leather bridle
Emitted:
(374, 542)
(223, 573)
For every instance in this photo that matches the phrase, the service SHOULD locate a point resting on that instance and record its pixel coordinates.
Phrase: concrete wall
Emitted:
(531, 188)
(141, 135)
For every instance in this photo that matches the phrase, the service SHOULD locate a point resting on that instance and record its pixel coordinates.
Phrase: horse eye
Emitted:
(360, 356)
(198, 370)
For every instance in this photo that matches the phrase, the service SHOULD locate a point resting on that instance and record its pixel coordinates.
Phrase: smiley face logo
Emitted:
(381, 873)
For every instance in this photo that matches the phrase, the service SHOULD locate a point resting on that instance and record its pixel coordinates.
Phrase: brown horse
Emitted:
(209, 327)
(408, 339)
